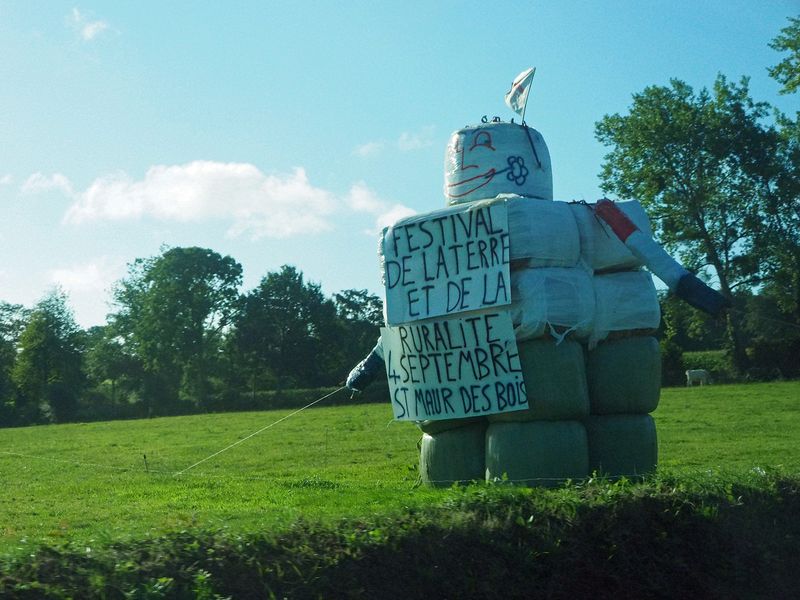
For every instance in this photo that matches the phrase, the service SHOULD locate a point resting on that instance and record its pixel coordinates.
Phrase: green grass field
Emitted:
(89, 484)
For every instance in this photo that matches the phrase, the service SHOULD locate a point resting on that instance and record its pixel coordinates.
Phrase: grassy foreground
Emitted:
(327, 498)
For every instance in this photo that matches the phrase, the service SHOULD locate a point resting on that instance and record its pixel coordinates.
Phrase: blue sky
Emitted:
(288, 132)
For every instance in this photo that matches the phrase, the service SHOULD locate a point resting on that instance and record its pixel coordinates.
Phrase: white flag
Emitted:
(517, 96)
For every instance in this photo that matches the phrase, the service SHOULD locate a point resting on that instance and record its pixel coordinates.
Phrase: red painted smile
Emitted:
(472, 183)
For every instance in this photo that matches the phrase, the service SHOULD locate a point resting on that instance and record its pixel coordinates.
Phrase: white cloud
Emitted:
(6, 179)
(86, 28)
(410, 141)
(39, 182)
(369, 149)
(393, 214)
(258, 205)
(88, 286)
(96, 276)
(364, 200)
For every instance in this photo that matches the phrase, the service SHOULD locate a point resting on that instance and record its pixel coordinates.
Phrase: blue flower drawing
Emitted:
(517, 171)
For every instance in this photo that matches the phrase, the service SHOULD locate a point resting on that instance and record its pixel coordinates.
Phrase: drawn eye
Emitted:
(482, 138)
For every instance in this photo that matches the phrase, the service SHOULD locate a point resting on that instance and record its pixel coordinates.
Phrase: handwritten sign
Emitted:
(454, 368)
(445, 262)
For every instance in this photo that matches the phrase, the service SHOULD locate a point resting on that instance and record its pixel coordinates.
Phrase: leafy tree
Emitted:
(173, 311)
(787, 72)
(12, 321)
(48, 370)
(698, 162)
(778, 242)
(361, 315)
(689, 328)
(107, 361)
(289, 330)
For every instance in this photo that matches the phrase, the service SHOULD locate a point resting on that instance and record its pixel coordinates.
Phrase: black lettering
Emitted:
(401, 403)
(427, 289)
(425, 275)
(419, 401)
(487, 400)
(441, 263)
(500, 395)
(412, 299)
(464, 292)
(447, 393)
(426, 233)
(392, 270)
(406, 269)
(409, 237)
(403, 331)
(482, 245)
(466, 227)
(481, 358)
(453, 296)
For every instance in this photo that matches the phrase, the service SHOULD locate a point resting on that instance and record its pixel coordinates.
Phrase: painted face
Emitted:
(495, 158)
(472, 156)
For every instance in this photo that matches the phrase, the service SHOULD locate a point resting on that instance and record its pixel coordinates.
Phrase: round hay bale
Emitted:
(552, 297)
(542, 233)
(432, 427)
(555, 382)
(453, 456)
(622, 445)
(537, 453)
(600, 248)
(624, 376)
(623, 301)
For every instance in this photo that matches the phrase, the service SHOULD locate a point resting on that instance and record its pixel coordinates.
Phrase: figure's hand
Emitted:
(364, 372)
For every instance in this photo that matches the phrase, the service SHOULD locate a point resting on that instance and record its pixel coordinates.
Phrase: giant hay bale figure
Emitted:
(519, 331)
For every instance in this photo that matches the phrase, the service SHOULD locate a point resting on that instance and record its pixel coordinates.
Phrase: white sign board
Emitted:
(445, 262)
(454, 368)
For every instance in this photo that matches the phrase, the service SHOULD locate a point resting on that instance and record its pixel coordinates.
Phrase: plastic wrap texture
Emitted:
(537, 453)
(555, 382)
(453, 456)
(624, 376)
(485, 160)
(601, 249)
(624, 301)
(554, 301)
(622, 445)
(543, 233)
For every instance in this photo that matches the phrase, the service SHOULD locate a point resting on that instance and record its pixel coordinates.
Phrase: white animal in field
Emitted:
(697, 376)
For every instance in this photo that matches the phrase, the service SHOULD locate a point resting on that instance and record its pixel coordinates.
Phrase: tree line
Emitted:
(181, 338)
(719, 174)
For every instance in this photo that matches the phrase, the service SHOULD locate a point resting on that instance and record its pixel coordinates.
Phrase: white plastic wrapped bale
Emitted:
(601, 249)
(485, 160)
(624, 376)
(622, 445)
(555, 382)
(543, 234)
(453, 456)
(623, 301)
(552, 301)
(537, 453)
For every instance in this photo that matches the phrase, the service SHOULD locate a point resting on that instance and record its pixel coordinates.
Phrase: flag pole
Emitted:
(525, 106)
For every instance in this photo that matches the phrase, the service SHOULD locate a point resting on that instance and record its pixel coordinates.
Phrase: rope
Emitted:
(528, 133)
(173, 473)
(244, 439)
